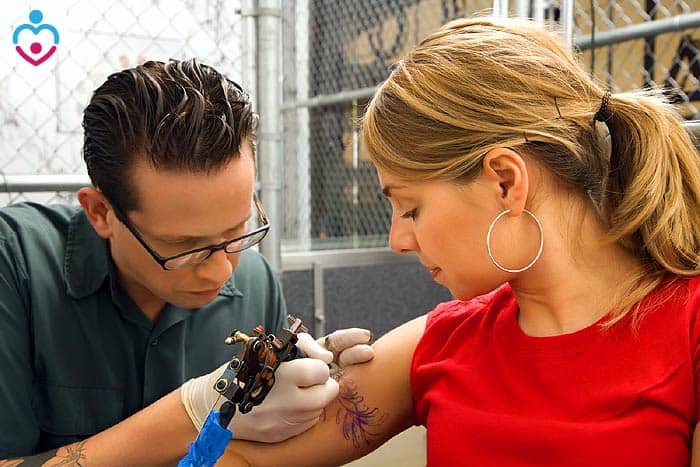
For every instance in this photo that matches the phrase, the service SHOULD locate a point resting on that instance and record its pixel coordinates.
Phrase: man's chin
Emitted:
(195, 300)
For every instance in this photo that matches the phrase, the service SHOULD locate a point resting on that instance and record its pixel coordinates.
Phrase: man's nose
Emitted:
(217, 268)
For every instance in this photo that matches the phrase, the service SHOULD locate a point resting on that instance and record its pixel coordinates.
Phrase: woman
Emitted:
(564, 220)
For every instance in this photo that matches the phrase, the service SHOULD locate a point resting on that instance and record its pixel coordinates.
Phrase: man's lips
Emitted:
(206, 292)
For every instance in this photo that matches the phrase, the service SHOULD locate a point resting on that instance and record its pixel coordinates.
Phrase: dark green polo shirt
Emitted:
(76, 354)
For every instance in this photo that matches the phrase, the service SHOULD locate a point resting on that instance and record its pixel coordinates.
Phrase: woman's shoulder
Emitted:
(478, 312)
(684, 293)
(694, 286)
(693, 297)
(447, 313)
(674, 307)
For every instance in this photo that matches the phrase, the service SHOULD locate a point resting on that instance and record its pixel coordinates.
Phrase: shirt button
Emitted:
(154, 342)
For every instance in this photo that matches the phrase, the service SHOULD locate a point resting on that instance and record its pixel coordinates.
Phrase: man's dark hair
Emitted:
(179, 115)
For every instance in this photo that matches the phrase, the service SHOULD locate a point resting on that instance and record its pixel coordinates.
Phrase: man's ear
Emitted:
(96, 208)
(507, 170)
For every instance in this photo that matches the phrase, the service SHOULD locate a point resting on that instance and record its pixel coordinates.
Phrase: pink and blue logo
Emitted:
(34, 54)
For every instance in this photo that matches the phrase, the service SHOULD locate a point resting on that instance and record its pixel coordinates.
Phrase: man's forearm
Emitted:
(70, 455)
(40, 459)
(157, 435)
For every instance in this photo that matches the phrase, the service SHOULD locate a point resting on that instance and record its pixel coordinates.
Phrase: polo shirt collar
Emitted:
(229, 288)
(86, 259)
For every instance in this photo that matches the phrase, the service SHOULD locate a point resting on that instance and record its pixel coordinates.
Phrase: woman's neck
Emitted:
(576, 281)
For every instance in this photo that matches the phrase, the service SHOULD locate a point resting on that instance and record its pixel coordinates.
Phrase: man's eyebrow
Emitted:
(197, 238)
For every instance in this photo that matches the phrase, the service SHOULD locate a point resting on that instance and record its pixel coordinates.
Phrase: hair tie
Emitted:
(602, 114)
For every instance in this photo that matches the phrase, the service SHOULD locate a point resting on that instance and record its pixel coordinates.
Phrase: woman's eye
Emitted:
(410, 214)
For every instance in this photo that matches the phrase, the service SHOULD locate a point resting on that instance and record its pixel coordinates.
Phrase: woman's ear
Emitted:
(96, 209)
(507, 171)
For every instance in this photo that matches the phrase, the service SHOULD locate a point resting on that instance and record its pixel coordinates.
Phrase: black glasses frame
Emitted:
(162, 260)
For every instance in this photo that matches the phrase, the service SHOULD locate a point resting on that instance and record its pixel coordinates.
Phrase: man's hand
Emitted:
(343, 347)
(302, 389)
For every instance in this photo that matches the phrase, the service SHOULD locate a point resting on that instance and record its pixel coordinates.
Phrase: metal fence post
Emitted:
(302, 143)
(522, 8)
(269, 99)
(500, 8)
(567, 21)
(250, 46)
(319, 328)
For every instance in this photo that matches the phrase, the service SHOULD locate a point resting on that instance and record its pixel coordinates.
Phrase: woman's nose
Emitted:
(401, 236)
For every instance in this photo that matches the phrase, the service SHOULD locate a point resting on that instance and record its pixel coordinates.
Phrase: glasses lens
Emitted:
(187, 260)
(243, 243)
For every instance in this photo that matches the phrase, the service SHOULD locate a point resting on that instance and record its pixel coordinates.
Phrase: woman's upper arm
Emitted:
(375, 402)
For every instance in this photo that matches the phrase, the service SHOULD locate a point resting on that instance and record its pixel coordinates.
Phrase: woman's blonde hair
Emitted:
(482, 83)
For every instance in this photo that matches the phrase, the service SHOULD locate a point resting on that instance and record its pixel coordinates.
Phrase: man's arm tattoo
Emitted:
(72, 455)
(356, 420)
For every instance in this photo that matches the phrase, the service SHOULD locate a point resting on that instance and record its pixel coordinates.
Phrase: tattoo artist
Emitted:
(107, 308)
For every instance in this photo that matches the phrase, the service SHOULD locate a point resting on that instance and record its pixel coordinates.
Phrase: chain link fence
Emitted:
(333, 59)
(41, 106)
(669, 60)
(335, 53)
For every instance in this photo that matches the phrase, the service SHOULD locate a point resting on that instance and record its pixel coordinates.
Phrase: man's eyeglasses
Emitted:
(198, 255)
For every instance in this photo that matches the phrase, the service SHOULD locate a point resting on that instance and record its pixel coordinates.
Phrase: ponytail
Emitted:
(651, 196)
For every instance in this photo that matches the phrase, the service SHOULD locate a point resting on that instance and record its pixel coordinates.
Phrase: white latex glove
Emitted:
(302, 389)
(341, 348)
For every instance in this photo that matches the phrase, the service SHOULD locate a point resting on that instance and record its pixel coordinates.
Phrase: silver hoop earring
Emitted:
(488, 243)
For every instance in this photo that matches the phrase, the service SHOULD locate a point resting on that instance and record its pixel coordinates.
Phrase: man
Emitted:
(106, 310)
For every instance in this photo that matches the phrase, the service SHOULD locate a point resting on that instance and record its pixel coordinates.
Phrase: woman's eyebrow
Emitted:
(386, 189)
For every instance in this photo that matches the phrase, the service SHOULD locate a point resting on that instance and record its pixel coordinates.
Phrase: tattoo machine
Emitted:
(245, 383)
(251, 373)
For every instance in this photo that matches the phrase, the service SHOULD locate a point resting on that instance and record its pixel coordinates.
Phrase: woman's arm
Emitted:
(374, 404)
